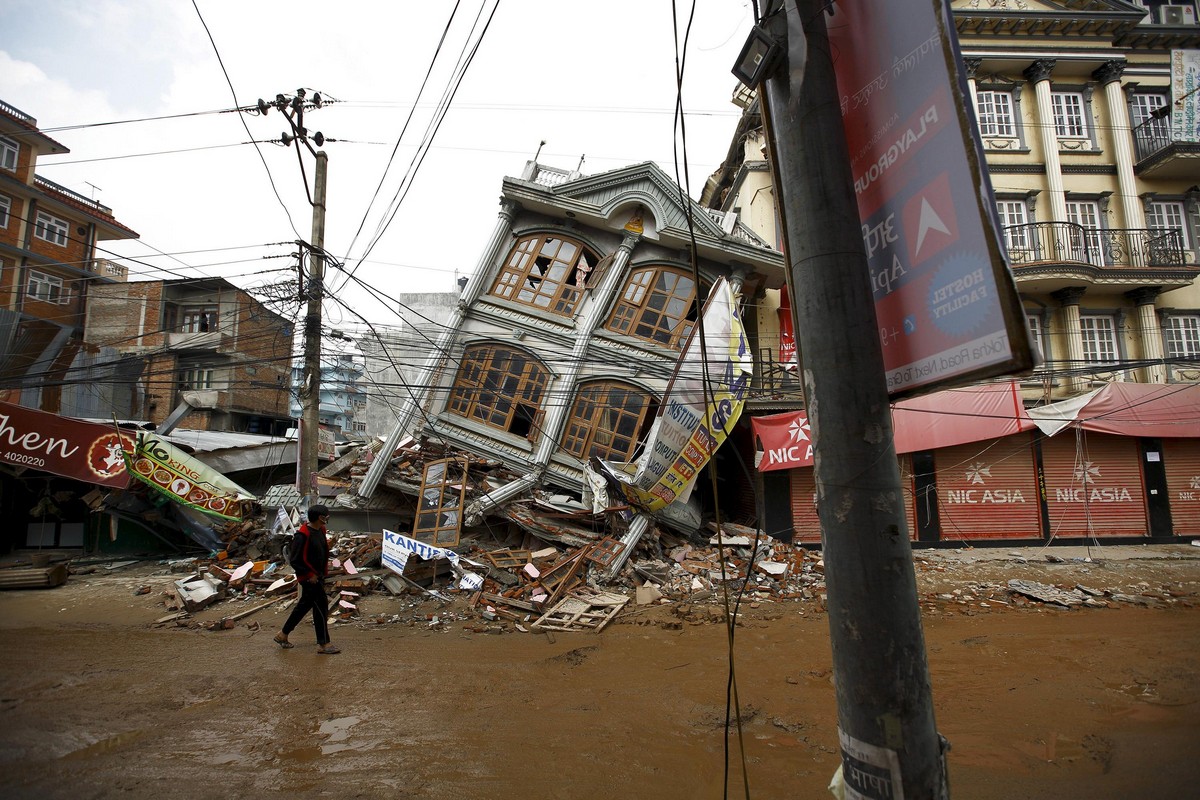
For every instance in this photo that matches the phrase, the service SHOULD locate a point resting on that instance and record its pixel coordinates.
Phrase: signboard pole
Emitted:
(887, 734)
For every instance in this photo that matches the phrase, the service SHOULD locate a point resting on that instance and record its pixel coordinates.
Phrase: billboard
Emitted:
(946, 304)
(72, 448)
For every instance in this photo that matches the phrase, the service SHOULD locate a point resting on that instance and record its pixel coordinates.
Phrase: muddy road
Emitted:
(1036, 701)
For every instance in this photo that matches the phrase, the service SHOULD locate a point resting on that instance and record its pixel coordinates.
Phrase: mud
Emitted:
(1036, 701)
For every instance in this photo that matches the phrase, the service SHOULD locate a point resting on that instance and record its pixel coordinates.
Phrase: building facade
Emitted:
(343, 402)
(202, 341)
(49, 265)
(562, 345)
(1096, 189)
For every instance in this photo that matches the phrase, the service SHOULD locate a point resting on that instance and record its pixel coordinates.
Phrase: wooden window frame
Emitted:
(191, 318)
(590, 428)
(1096, 338)
(994, 121)
(667, 322)
(488, 391)
(5, 210)
(537, 273)
(439, 515)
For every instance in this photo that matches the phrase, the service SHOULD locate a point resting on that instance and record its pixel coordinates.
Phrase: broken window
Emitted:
(546, 272)
(439, 519)
(197, 319)
(657, 305)
(607, 421)
(500, 387)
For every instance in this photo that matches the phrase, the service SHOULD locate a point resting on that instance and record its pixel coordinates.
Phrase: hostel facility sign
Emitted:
(945, 301)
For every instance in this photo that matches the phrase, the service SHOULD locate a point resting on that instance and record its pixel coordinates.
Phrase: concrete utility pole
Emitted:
(310, 393)
(889, 741)
(293, 109)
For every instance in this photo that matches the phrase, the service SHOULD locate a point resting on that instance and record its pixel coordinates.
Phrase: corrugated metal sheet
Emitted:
(804, 502)
(804, 506)
(988, 490)
(1094, 485)
(1182, 460)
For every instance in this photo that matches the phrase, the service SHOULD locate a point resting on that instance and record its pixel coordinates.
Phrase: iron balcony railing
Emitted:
(1070, 243)
(1151, 136)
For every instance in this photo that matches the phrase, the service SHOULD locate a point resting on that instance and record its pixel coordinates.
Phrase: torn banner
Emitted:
(398, 547)
(186, 480)
(698, 410)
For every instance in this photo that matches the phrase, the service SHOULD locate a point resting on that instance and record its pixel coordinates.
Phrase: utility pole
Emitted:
(293, 109)
(889, 741)
(310, 393)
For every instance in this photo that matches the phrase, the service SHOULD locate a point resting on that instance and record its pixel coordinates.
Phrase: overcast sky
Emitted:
(592, 79)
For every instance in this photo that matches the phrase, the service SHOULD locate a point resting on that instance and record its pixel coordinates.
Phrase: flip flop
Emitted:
(329, 650)
(284, 643)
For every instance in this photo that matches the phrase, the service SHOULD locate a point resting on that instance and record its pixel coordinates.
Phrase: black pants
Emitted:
(312, 598)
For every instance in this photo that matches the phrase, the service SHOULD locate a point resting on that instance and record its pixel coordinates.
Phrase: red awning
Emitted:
(959, 416)
(1168, 411)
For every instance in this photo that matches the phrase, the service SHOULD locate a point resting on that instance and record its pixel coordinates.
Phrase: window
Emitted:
(499, 387)
(658, 305)
(52, 229)
(9, 150)
(47, 288)
(1183, 336)
(996, 116)
(1014, 221)
(607, 421)
(1141, 109)
(5, 210)
(1070, 120)
(1086, 245)
(1037, 332)
(195, 378)
(1099, 339)
(198, 319)
(545, 272)
(1169, 215)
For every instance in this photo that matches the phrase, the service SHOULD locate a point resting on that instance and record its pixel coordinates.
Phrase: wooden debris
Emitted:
(583, 609)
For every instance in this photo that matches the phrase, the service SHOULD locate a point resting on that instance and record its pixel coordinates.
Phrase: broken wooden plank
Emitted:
(583, 609)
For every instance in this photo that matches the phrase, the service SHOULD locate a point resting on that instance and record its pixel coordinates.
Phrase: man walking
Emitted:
(309, 557)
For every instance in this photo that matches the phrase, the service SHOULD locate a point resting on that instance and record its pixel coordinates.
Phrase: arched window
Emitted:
(607, 421)
(500, 387)
(545, 272)
(658, 305)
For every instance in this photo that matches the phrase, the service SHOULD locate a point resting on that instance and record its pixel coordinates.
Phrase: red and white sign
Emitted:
(785, 440)
(72, 448)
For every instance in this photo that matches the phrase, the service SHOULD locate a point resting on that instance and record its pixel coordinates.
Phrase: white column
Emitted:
(1039, 75)
(1072, 332)
(1150, 334)
(973, 65)
(556, 417)
(1122, 139)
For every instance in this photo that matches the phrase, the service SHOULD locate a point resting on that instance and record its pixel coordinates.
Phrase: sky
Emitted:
(595, 81)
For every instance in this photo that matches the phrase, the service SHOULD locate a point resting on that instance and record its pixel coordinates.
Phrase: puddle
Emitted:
(106, 745)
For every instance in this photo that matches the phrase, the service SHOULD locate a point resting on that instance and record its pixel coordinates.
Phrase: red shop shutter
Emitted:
(804, 502)
(988, 490)
(804, 505)
(1182, 462)
(1094, 485)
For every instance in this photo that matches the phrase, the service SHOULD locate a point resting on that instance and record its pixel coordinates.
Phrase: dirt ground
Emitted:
(1037, 701)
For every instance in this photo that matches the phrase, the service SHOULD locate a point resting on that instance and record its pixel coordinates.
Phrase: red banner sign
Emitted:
(72, 448)
(785, 441)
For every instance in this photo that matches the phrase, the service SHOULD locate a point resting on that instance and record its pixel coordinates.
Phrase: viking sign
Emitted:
(698, 410)
(186, 480)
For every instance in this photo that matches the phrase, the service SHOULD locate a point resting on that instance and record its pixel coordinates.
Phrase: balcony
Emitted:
(1158, 155)
(201, 342)
(1047, 256)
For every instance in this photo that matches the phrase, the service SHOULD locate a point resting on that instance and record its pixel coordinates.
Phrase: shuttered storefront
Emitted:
(988, 490)
(1094, 485)
(804, 506)
(804, 502)
(1182, 460)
